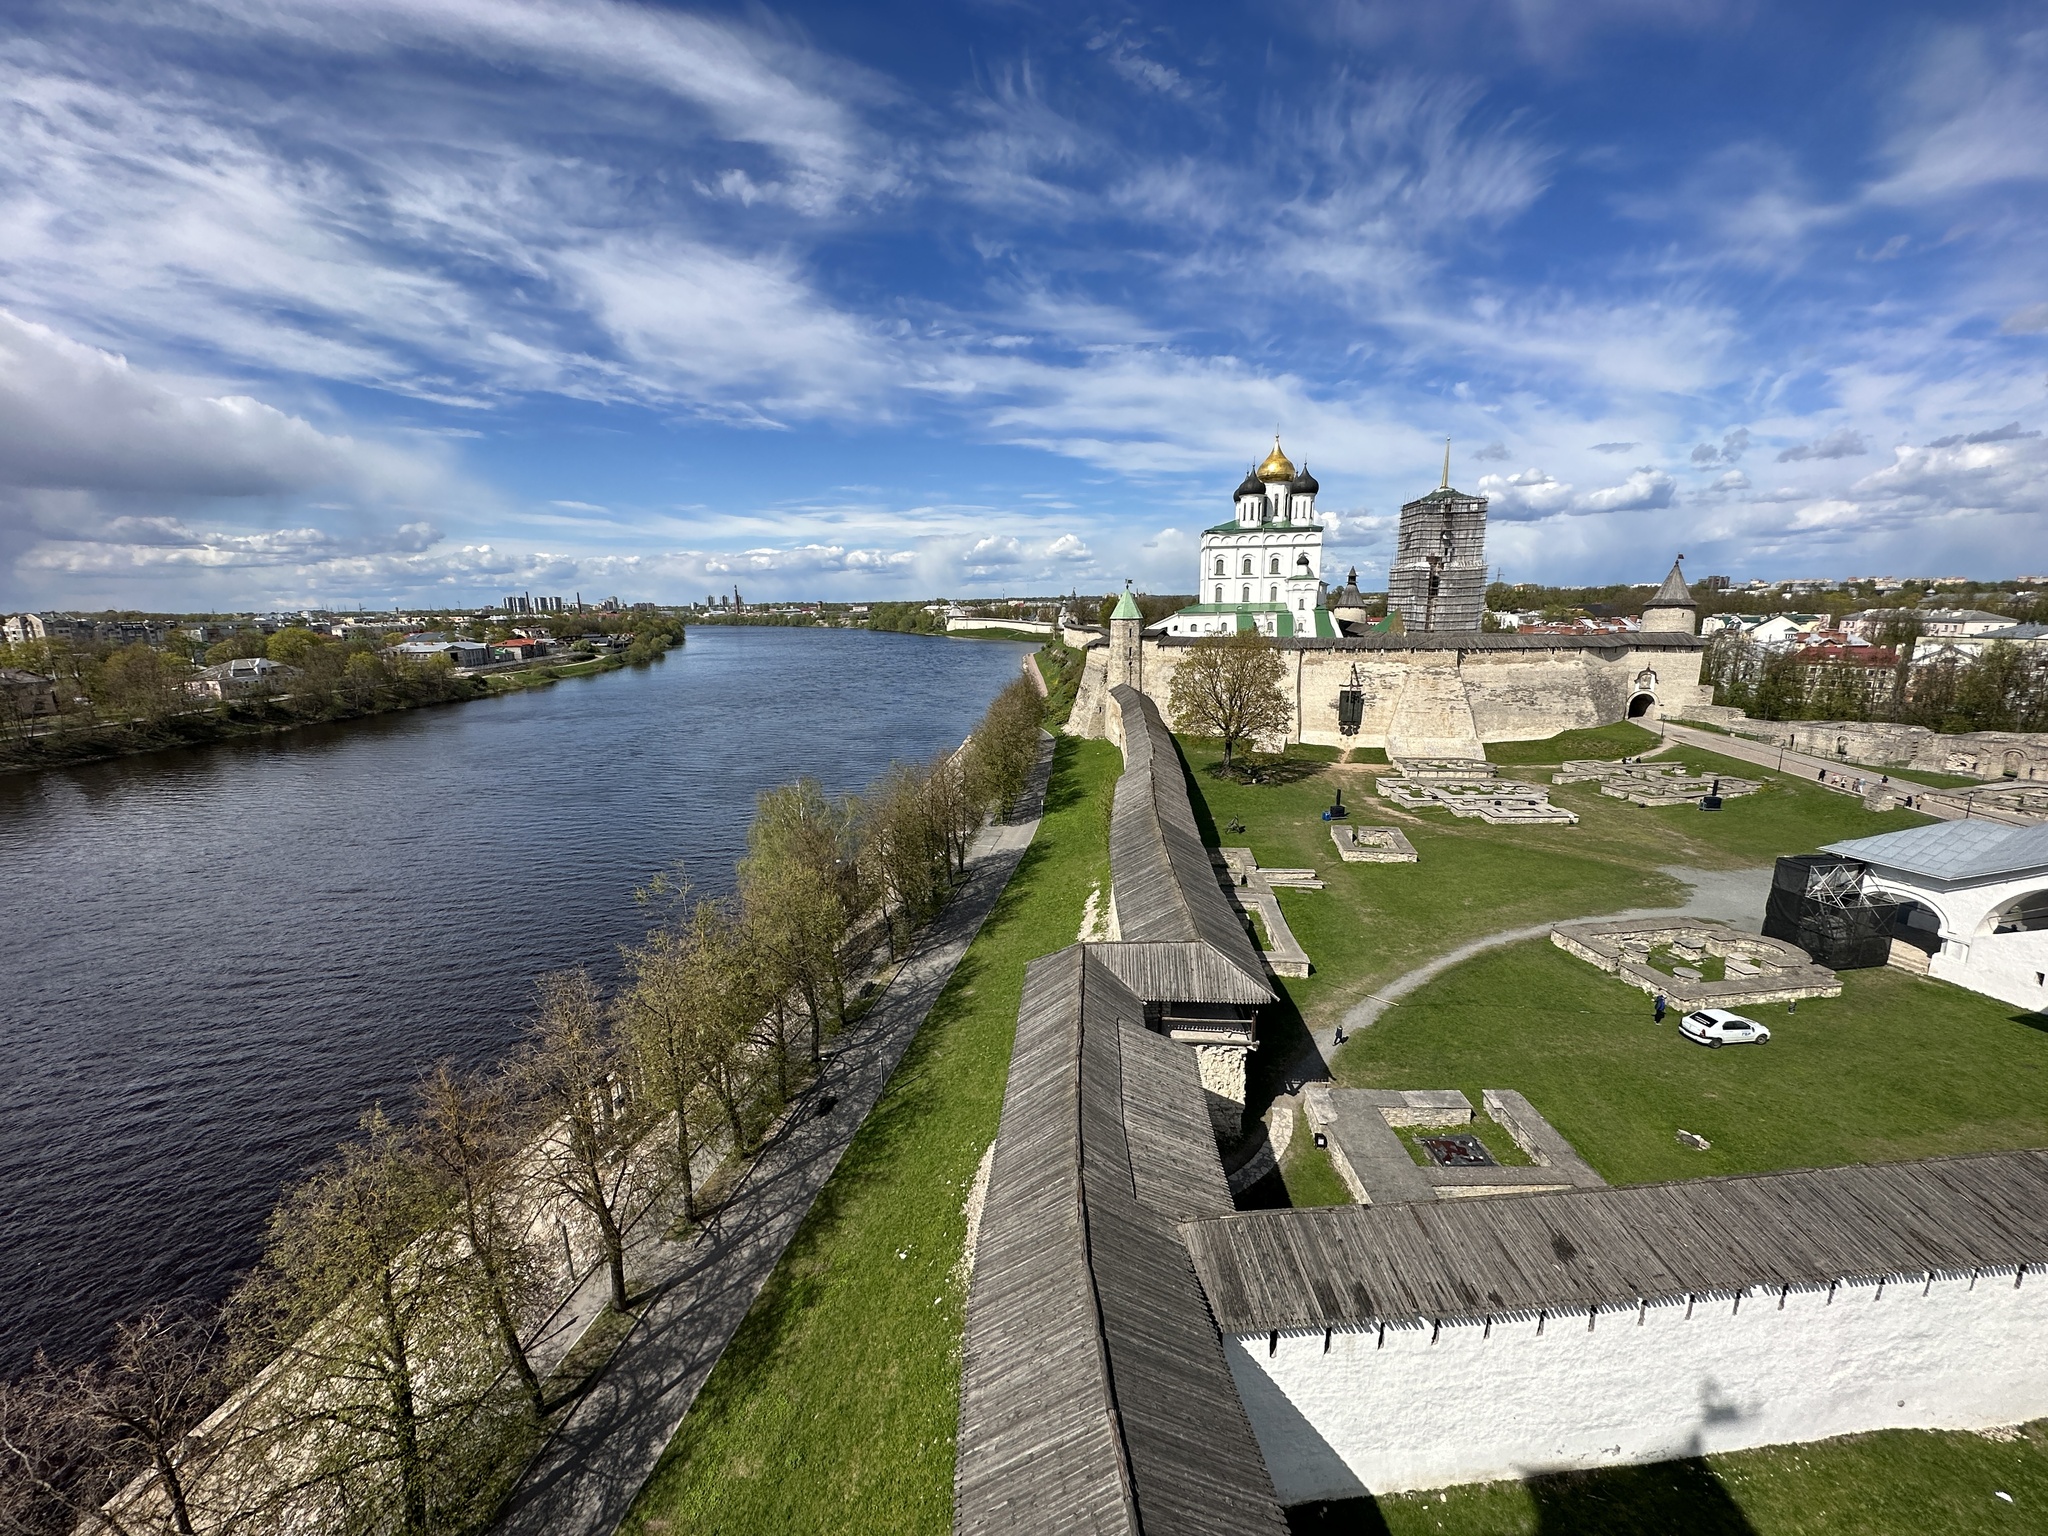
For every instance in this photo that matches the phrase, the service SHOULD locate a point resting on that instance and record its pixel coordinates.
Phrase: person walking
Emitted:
(1660, 1007)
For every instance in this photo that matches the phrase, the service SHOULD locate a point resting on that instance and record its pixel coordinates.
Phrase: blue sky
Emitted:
(412, 301)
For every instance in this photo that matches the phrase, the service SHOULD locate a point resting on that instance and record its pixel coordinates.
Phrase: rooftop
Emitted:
(1451, 1259)
(1953, 850)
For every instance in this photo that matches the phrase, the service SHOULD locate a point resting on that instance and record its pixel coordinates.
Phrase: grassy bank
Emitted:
(1924, 1482)
(834, 1408)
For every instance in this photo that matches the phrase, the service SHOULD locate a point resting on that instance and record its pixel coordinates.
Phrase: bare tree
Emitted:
(467, 1135)
(572, 1077)
(1229, 686)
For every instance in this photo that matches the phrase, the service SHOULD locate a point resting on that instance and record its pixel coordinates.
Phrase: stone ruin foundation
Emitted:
(1755, 969)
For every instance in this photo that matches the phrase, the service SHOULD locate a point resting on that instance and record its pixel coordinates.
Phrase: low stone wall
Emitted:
(1784, 972)
(1988, 755)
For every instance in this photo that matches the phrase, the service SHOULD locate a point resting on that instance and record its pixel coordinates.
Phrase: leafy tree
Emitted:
(243, 643)
(467, 1135)
(139, 680)
(292, 645)
(572, 1077)
(378, 1394)
(1229, 686)
(799, 892)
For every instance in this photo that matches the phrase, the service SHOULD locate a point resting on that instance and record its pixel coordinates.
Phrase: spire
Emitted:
(1447, 466)
(1674, 593)
(1126, 607)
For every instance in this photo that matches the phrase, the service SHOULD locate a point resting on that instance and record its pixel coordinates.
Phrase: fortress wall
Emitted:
(1521, 693)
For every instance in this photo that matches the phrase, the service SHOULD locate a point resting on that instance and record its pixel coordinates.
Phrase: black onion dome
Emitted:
(1304, 484)
(1251, 485)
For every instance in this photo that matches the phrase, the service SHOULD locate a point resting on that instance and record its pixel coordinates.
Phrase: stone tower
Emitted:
(1672, 610)
(1438, 580)
(1126, 662)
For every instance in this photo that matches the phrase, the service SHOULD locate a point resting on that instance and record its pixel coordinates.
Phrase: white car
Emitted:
(1718, 1027)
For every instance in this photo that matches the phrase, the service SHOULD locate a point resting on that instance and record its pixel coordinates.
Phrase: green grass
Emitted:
(1366, 755)
(835, 1407)
(1896, 1067)
(1306, 1170)
(1612, 741)
(1372, 922)
(1934, 780)
(1898, 1483)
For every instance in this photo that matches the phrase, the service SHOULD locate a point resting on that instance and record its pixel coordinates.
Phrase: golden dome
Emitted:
(1277, 465)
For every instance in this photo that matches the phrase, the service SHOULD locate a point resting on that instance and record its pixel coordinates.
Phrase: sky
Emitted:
(414, 302)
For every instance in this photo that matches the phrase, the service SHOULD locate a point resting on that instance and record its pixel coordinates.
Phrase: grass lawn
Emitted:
(1374, 922)
(1896, 1067)
(835, 1407)
(1611, 741)
(1311, 1178)
(1898, 1483)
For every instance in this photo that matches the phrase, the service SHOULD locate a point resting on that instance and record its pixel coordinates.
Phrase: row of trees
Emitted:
(331, 679)
(381, 1358)
(2005, 688)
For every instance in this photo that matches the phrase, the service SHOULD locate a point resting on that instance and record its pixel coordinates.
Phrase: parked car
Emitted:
(1717, 1027)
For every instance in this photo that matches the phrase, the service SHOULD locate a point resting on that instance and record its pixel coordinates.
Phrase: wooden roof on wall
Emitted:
(1474, 1258)
(1094, 1393)
(1162, 878)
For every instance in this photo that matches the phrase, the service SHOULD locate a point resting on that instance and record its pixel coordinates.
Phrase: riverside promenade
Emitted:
(586, 1478)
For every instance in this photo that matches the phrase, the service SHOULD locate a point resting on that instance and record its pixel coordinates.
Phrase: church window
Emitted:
(1272, 594)
(1274, 565)
(1219, 565)
(1247, 595)
(1247, 565)
(1219, 592)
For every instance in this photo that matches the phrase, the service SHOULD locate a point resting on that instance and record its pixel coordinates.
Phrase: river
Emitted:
(217, 959)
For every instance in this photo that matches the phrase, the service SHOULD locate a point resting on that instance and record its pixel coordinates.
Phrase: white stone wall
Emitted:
(2006, 966)
(1383, 1414)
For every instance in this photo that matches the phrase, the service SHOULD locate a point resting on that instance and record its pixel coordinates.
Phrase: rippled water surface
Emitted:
(214, 960)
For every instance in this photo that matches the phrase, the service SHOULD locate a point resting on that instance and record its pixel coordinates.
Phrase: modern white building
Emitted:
(1263, 569)
(1977, 901)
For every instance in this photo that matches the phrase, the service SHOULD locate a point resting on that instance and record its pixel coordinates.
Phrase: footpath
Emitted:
(589, 1473)
(1784, 759)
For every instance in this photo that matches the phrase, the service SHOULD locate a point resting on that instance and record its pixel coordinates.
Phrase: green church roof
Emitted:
(1126, 608)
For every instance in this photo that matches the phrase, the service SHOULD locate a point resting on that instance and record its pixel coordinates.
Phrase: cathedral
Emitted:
(1263, 569)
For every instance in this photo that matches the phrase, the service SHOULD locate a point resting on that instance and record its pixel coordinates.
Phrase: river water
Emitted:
(215, 960)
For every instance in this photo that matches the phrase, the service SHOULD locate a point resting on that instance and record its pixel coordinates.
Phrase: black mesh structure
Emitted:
(1818, 901)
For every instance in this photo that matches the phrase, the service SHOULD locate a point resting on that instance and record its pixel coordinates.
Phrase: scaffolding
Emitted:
(1823, 903)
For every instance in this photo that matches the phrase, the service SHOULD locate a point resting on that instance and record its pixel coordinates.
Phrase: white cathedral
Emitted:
(1263, 569)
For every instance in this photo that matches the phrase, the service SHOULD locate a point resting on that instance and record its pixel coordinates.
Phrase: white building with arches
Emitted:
(1263, 569)
(1976, 895)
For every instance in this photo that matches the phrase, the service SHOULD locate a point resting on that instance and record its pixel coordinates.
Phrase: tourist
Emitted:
(1660, 1007)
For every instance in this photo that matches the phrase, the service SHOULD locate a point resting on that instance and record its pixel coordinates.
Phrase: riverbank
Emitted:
(253, 719)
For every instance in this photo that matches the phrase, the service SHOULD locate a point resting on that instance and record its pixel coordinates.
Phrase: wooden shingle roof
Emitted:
(1267, 1270)
(1162, 879)
(1094, 1393)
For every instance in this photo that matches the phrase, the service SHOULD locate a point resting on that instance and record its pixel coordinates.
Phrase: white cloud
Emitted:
(1530, 494)
(1976, 115)
(1644, 489)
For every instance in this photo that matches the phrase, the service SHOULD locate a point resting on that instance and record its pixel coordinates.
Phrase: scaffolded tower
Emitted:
(1438, 581)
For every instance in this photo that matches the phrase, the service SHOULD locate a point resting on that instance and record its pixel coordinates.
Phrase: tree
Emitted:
(690, 1003)
(903, 854)
(466, 1134)
(379, 1399)
(572, 1079)
(71, 1440)
(140, 681)
(1229, 686)
(800, 892)
(293, 644)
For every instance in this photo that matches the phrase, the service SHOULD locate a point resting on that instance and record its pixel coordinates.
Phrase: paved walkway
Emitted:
(1785, 760)
(589, 1474)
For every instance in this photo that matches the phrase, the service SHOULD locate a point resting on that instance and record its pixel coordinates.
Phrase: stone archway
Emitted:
(1643, 707)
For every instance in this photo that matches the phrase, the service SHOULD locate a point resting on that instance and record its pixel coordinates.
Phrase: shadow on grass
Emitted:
(1670, 1498)
(2032, 1021)
(1286, 1050)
